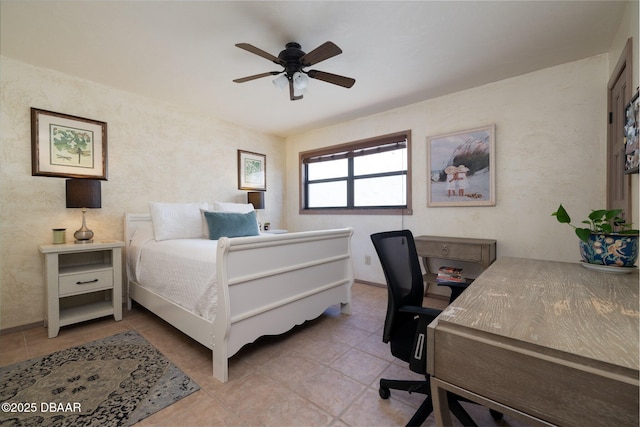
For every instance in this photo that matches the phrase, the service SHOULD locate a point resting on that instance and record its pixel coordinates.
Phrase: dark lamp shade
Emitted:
(83, 193)
(256, 198)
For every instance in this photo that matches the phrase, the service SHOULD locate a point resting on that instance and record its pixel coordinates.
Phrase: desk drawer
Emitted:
(80, 283)
(540, 384)
(464, 252)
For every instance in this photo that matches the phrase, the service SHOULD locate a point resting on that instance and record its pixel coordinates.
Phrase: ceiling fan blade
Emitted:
(292, 95)
(250, 48)
(332, 78)
(257, 76)
(324, 51)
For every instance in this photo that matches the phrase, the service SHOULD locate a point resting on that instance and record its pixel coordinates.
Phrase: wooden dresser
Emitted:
(481, 252)
(549, 341)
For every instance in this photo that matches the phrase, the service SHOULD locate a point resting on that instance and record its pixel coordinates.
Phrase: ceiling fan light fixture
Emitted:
(300, 81)
(281, 81)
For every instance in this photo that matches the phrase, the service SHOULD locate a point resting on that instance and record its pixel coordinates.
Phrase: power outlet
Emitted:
(367, 259)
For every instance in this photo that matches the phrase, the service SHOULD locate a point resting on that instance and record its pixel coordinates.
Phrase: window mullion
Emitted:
(305, 193)
(350, 184)
(324, 180)
(379, 175)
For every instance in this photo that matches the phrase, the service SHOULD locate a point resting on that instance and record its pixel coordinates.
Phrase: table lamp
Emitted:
(256, 198)
(84, 194)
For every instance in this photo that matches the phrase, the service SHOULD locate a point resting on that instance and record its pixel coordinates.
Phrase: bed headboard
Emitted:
(131, 223)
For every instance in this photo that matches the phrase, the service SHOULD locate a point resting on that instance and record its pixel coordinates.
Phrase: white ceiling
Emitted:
(399, 52)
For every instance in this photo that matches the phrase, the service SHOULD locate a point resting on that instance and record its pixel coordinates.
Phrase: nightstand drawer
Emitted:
(450, 250)
(73, 284)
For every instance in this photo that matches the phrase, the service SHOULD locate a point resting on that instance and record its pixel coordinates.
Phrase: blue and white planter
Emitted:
(610, 249)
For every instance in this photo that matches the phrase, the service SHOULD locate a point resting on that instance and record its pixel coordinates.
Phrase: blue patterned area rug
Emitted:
(116, 381)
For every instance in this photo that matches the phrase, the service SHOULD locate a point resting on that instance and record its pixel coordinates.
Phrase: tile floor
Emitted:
(323, 373)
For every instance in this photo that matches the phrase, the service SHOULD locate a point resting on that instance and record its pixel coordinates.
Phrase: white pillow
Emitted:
(232, 207)
(223, 207)
(176, 220)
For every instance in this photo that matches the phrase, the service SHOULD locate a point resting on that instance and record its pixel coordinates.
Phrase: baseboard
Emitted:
(377, 285)
(34, 325)
(8, 331)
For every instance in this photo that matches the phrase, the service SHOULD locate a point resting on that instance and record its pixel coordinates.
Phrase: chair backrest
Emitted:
(400, 263)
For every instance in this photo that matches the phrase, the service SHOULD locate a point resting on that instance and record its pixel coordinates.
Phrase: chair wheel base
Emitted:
(384, 392)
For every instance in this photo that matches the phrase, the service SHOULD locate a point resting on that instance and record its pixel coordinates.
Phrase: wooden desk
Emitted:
(548, 341)
(479, 253)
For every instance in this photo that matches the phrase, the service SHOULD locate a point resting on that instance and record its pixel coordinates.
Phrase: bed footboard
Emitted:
(269, 284)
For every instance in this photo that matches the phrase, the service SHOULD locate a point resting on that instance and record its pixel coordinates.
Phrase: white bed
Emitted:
(264, 285)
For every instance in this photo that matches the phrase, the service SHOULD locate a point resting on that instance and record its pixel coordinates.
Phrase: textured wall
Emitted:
(156, 153)
(550, 145)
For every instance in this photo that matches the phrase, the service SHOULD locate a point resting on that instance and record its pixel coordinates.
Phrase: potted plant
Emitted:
(606, 240)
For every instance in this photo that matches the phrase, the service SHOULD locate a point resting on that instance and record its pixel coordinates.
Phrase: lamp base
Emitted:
(83, 241)
(83, 236)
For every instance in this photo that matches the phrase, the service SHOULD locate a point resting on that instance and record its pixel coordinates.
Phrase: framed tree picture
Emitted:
(461, 168)
(67, 146)
(252, 171)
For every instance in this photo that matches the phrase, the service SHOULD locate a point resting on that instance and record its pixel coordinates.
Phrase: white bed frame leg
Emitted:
(345, 308)
(220, 369)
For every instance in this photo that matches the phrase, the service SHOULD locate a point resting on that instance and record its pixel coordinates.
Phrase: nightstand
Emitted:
(83, 281)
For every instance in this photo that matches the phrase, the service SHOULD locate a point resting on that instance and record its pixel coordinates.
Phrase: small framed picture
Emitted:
(252, 171)
(67, 146)
(461, 168)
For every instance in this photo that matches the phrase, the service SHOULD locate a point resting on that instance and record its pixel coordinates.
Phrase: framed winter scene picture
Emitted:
(461, 168)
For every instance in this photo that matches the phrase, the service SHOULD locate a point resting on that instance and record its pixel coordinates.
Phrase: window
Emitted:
(366, 177)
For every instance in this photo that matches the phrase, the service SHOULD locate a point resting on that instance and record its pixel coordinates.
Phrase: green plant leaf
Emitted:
(606, 221)
(609, 215)
(583, 234)
(562, 215)
(598, 215)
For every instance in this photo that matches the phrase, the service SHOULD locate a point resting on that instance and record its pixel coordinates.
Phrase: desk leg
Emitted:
(440, 404)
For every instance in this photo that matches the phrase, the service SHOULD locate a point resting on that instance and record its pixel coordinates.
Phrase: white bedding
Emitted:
(181, 270)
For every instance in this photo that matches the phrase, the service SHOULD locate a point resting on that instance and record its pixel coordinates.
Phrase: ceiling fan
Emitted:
(294, 60)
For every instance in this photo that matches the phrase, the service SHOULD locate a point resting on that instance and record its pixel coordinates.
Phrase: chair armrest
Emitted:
(418, 360)
(456, 289)
(463, 285)
(421, 311)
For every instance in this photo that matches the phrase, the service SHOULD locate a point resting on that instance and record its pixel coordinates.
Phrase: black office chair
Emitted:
(405, 325)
